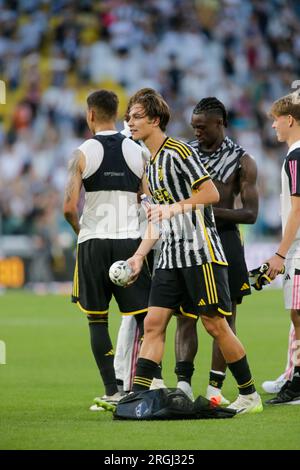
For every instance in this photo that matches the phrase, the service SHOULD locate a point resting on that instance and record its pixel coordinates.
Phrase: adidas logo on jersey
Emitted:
(245, 286)
(202, 302)
(287, 277)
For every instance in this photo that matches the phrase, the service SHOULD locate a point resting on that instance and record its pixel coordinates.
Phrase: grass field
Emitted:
(50, 379)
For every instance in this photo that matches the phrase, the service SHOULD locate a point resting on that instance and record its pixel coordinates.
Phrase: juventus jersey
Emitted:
(192, 238)
(290, 184)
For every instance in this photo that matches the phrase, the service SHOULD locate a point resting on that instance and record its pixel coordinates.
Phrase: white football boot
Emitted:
(186, 388)
(214, 394)
(274, 386)
(106, 403)
(247, 404)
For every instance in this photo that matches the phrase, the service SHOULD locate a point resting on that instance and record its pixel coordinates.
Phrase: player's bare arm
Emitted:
(247, 214)
(205, 193)
(293, 223)
(72, 190)
(144, 188)
(136, 261)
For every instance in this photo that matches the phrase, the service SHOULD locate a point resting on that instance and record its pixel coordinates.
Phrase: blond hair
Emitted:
(287, 105)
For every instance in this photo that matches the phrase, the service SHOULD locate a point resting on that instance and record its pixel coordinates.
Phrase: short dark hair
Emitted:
(105, 103)
(154, 105)
(212, 105)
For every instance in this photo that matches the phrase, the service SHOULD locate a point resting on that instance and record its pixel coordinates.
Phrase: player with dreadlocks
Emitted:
(234, 174)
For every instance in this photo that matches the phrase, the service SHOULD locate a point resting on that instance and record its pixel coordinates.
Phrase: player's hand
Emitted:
(156, 213)
(136, 264)
(275, 266)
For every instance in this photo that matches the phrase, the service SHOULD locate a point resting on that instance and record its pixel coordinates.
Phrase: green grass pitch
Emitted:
(50, 380)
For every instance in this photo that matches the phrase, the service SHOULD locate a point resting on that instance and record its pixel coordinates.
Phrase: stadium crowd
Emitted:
(53, 53)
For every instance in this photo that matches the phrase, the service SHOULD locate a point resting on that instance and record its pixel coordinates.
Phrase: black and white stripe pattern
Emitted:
(192, 238)
(223, 162)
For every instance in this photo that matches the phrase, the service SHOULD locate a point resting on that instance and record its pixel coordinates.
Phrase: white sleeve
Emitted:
(126, 130)
(133, 154)
(93, 152)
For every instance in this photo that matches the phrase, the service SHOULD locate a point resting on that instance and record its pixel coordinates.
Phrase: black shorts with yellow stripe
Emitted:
(92, 287)
(238, 279)
(192, 291)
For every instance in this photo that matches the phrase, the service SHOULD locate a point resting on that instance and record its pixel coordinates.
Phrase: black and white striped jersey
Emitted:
(222, 162)
(192, 238)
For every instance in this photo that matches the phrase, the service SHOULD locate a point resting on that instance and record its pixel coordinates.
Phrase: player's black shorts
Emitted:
(92, 288)
(192, 291)
(237, 269)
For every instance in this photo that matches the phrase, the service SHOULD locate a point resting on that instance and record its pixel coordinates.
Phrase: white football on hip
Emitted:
(119, 273)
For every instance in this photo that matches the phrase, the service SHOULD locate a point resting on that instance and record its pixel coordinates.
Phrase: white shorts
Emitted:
(291, 284)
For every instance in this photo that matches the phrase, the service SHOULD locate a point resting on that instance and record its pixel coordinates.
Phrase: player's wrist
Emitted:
(280, 255)
(175, 209)
(141, 255)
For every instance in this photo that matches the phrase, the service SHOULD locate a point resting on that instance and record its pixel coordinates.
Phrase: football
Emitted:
(119, 273)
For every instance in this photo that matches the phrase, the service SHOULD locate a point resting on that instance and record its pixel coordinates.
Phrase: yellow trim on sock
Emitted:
(247, 384)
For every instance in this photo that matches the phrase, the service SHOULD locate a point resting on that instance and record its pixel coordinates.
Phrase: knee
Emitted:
(215, 326)
(153, 326)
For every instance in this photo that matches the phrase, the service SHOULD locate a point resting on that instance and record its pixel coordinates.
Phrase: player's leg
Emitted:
(126, 352)
(157, 381)
(207, 286)
(92, 293)
(289, 369)
(234, 354)
(165, 295)
(152, 348)
(132, 302)
(103, 351)
(186, 346)
(238, 287)
(217, 372)
(218, 362)
(295, 316)
(274, 386)
(290, 392)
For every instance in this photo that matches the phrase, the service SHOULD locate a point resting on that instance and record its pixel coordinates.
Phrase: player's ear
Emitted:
(93, 115)
(155, 121)
(220, 122)
(290, 120)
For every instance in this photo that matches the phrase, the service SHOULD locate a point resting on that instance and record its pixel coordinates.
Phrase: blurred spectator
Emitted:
(53, 53)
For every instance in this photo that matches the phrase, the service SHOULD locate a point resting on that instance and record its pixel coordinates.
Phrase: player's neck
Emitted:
(105, 126)
(293, 138)
(155, 141)
(213, 147)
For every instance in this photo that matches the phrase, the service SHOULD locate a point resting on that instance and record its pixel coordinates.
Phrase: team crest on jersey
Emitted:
(162, 195)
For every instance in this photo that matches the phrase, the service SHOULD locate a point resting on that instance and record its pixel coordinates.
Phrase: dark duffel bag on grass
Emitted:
(167, 403)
